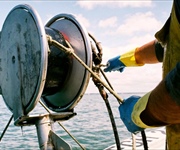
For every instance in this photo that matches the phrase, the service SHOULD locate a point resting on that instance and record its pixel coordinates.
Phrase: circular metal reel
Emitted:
(77, 78)
(23, 59)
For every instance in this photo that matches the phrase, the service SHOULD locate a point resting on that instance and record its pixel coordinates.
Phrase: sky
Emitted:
(119, 25)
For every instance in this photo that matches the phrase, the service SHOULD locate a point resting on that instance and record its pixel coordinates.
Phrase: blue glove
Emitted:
(125, 110)
(114, 64)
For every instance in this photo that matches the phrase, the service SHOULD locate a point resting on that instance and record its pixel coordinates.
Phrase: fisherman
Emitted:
(161, 106)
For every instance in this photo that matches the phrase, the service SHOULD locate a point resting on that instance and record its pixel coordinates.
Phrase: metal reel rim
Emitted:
(44, 48)
(86, 79)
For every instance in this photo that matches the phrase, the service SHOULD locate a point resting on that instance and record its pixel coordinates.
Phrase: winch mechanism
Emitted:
(51, 65)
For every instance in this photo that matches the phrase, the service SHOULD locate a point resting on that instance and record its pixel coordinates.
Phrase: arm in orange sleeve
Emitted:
(149, 53)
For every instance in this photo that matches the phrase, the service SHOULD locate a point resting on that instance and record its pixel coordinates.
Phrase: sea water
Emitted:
(91, 127)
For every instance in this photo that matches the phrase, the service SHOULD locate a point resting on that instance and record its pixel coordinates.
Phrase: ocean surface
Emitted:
(91, 126)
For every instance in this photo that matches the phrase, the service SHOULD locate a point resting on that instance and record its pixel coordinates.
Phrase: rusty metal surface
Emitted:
(23, 59)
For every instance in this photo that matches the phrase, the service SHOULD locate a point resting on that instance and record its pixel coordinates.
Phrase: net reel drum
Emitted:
(76, 78)
(31, 69)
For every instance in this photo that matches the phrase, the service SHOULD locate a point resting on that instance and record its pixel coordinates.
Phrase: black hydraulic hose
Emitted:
(97, 58)
(118, 144)
(144, 140)
(104, 95)
(105, 98)
(99, 48)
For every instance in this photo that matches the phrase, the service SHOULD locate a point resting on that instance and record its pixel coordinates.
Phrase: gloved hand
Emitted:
(125, 110)
(114, 64)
